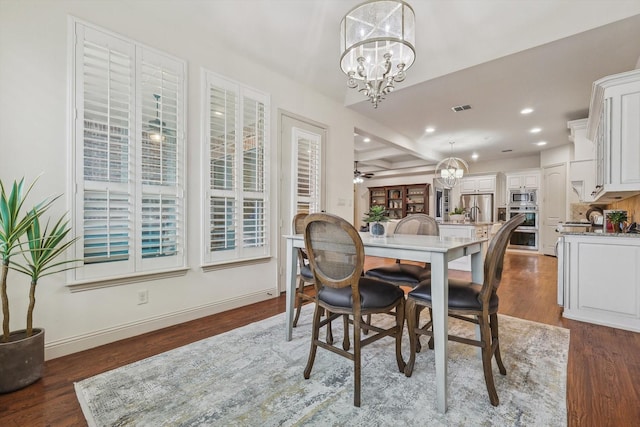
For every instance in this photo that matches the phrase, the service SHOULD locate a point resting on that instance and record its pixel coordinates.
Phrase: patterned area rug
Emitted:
(252, 377)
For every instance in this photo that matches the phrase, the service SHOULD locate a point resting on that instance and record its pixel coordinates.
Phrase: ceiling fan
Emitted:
(358, 176)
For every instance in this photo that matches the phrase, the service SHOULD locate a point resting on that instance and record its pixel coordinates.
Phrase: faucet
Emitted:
(471, 214)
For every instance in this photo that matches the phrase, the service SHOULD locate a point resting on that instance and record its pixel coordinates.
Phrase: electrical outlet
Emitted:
(143, 296)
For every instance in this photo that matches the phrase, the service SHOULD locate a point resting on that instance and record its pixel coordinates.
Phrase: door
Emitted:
(301, 167)
(554, 204)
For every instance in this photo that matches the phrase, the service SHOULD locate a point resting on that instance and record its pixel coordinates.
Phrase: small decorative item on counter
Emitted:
(457, 215)
(616, 218)
(376, 215)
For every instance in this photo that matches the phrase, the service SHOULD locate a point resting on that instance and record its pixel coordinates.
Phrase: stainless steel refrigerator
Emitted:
(479, 207)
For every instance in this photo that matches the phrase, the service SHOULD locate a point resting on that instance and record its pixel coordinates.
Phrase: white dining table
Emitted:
(436, 250)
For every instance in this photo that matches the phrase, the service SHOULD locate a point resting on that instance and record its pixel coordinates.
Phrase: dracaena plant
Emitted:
(39, 250)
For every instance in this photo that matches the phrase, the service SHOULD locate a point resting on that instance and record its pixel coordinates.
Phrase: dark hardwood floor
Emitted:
(603, 376)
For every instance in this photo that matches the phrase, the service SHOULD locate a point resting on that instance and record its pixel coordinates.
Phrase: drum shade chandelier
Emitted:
(377, 43)
(449, 171)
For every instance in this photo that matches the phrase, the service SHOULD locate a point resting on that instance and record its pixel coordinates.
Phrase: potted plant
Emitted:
(457, 215)
(22, 351)
(616, 218)
(376, 215)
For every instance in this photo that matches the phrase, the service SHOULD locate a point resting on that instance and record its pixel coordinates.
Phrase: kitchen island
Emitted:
(599, 278)
(479, 230)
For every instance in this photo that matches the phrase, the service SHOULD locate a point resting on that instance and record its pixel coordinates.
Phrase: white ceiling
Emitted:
(499, 56)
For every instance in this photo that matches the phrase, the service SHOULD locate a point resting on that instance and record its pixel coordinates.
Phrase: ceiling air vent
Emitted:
(459, 108)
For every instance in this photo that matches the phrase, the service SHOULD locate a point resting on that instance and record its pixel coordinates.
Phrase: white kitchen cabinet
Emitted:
(478, 184)
(614, 127)
(599, 279)
(523, 181)
(469, 231)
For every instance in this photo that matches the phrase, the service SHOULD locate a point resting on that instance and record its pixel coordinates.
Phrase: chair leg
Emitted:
(345, 339)
(329, 338)
(315, 328)
(300, 290)
(410, 310)
(430, 343)
(400, 310)
(356, 360)
(487, 355)
(493, 323)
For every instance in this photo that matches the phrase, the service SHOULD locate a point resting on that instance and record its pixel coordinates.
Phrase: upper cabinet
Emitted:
(614, 128)
(523, 181)
(478, 184)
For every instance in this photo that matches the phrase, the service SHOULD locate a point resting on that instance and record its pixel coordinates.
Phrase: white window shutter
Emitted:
(236, 148)
(129, 153)
(307, 166)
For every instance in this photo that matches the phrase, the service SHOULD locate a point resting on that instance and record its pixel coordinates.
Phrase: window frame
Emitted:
(140, 58)
(240, 254)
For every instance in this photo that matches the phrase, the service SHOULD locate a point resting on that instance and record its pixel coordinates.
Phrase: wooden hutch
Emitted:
(401, 200)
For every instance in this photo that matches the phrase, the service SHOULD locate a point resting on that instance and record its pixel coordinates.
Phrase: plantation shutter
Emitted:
(161, 107)
(106, 121)
(307, 158)
(129, 139)
(236, 215)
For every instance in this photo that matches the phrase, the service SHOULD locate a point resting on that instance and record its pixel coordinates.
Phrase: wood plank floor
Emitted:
(603, 385)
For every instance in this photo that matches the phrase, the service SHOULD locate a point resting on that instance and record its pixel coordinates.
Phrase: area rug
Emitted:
(252, 377)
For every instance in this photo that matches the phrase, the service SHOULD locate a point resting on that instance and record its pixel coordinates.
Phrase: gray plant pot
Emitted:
(21, 359)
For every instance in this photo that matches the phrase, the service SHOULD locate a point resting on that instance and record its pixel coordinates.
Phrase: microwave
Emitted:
(522, 197)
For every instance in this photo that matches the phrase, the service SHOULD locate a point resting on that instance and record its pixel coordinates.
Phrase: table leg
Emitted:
(290, 289)
(440, 301)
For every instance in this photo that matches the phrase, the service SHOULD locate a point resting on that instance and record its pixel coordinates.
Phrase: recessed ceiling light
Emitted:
(540, 143)
(535, 130)
(367, 140)
(430, 130)
(474, 156)
(526, 111)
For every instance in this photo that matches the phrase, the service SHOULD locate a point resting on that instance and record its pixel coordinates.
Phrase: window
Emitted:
(306, 164)
(236, 158)
(128, 145)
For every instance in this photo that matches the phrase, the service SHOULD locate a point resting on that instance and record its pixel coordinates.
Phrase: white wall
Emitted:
(34, 141)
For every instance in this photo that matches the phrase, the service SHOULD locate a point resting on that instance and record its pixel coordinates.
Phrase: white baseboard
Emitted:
(78, 343)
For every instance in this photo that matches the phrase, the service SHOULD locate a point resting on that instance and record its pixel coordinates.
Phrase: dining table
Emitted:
(437, 251)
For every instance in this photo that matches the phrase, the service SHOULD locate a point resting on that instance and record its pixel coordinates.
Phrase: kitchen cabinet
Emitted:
(599, 279)
(614, 127)
(478, 184)
(469, 231)
(523, 181)
(401, 200)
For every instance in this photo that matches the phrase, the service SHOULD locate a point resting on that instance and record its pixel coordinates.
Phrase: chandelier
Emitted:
(449, 171)
(377, 43)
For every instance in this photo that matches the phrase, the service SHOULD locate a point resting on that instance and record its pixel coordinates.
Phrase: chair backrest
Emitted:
(335, 249)
(297, 227)
(418, 224)
(495, 257)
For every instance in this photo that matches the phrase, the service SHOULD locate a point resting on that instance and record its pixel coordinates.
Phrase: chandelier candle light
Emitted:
(377, 43)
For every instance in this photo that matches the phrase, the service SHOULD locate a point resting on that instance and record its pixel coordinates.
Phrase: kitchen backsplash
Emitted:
(578, 211)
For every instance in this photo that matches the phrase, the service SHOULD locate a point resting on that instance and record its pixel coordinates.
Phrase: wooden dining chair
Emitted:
(305, 276)
(336, 256)
(408, 274)
(472, 302)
